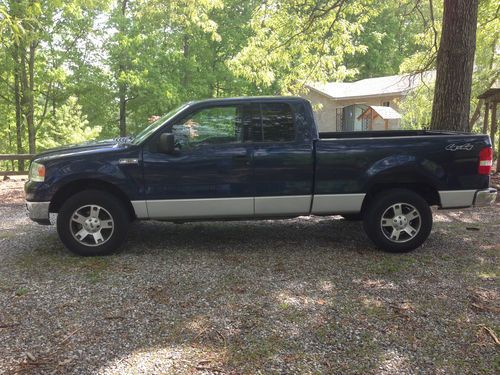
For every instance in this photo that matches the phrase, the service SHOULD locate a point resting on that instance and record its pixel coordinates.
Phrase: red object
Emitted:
(485, 161)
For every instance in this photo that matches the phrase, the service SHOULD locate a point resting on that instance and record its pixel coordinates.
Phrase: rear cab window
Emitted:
(277, 123)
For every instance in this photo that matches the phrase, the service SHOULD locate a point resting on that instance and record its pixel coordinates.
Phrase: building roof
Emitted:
(390, 85)
(386, 113)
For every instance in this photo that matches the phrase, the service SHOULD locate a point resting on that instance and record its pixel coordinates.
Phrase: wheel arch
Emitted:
(76, 186)
(426, 191)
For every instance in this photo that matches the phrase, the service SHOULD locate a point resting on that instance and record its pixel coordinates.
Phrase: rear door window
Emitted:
(278, 123)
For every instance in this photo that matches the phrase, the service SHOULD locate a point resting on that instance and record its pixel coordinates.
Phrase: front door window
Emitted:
(215, 125)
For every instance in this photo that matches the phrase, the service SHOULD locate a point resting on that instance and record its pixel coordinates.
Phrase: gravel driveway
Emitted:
(309, 295)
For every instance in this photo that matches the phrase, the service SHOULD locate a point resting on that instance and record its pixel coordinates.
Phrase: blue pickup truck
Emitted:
(257, 158)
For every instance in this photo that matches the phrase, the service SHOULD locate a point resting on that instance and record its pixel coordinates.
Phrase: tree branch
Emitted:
(310, 22)
(433, 24)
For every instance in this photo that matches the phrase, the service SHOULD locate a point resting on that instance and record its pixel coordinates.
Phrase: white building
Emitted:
(338, 106)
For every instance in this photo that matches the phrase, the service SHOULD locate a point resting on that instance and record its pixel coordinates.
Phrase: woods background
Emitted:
(76, 70)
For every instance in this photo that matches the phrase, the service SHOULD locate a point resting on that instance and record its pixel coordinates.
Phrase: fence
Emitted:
(15, 157)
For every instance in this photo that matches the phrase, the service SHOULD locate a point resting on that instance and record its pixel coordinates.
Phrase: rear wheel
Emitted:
(92, 222)
(398, 220)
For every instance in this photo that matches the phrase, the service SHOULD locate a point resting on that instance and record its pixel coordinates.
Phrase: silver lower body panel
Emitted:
(456, 198)
(326, 204)
(248, 207)
(285, 205)
(321, 204)
(200, 208)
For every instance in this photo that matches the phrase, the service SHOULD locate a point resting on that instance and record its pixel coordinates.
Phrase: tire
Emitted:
(398, 220)
(352, 217)
(92, 223)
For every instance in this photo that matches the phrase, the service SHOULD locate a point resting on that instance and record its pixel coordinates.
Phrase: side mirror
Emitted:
(167, 143)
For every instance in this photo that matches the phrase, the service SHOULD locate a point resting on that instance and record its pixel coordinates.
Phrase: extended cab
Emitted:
(257, 158)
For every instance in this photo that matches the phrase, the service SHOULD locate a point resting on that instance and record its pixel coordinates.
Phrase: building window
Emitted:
(386, 104)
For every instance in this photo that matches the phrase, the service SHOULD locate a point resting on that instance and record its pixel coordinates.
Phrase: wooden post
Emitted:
(371, 118)
(486, 116)
(386, 124)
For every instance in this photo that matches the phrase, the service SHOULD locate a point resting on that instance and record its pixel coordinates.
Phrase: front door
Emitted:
(210, 173)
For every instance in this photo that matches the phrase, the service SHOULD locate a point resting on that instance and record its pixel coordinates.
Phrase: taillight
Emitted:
(485, 161)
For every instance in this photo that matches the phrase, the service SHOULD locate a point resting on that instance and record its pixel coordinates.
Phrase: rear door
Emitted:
(210, 174)
(283, 161)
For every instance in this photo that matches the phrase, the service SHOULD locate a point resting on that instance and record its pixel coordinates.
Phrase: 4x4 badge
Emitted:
(454, 147)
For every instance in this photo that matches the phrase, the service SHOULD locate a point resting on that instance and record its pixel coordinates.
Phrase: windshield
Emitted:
(154, 126)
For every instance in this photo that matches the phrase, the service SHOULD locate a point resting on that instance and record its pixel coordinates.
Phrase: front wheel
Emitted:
(398, 220)
(92, 222)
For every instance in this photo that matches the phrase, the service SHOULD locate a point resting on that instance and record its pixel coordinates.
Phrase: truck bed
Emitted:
(442, 165)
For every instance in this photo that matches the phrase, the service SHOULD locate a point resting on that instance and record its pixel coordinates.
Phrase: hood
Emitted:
(92, 147)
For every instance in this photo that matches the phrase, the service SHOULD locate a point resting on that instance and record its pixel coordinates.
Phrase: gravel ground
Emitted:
(309, 295)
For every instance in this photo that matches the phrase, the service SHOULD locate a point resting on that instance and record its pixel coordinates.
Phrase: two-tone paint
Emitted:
(320, 174)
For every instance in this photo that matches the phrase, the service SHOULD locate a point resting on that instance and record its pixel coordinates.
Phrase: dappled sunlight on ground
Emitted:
(160, 360)
(375, 284)
(394, 363)
(308, 295)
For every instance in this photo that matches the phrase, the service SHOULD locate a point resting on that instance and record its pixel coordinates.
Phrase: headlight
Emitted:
(37, 172)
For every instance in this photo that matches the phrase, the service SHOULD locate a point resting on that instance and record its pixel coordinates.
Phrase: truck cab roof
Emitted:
(247, 99)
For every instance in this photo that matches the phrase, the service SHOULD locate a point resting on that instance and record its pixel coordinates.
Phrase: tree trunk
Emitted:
(475, 116)
(486, 118)
(494, 126)
(455, 59)
(122, 92)
(494, 122)
(30, 116)
(185, 47)
(27, 93)
(122, 86)
(17, 101)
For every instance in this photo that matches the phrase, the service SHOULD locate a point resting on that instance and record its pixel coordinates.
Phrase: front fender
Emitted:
(60, 173)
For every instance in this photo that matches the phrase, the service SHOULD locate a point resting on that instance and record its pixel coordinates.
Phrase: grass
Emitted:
(21, 291)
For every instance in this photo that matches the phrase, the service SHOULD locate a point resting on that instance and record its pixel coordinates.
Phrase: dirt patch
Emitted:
(11, 190)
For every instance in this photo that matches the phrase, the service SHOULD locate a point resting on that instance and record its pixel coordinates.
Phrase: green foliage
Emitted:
(416, 107)
(487, 60)
(388, 37)
(156, 54)
(297, 41)
(69, 126)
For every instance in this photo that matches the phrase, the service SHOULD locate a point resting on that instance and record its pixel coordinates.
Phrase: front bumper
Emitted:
(38, 212)
(485, 197)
